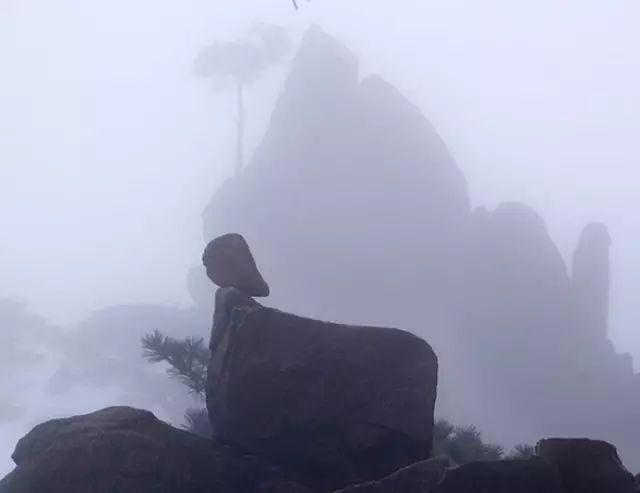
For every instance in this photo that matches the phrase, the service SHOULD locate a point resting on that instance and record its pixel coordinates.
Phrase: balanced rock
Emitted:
(229, 263)
(336, 404)
(587, 466)
(126, 450)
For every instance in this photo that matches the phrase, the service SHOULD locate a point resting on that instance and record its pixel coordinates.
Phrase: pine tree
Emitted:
(463, 444)
(188, 360)
(240, 63)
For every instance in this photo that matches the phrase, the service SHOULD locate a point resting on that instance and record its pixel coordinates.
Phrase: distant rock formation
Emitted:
(590, 277)
(360, 215)
(315, 201)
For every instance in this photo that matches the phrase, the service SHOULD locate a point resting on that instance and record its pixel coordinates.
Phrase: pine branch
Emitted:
(188, 359)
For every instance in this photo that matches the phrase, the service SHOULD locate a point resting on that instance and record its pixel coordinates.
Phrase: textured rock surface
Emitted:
(587, 466)
(418, 478)
(229, 263)
(282, 487)
(126, 450)
(338, 404)
(508, 476)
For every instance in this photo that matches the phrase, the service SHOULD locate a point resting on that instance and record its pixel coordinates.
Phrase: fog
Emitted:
(111, 148)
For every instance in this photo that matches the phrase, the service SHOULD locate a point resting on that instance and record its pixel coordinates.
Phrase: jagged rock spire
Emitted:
(591, 280)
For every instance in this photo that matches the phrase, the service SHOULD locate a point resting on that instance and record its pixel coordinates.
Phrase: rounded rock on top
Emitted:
(229, 263)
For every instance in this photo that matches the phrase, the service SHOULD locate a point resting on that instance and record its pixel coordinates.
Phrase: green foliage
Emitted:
(522, 452)
(187, 359)
(463, 443)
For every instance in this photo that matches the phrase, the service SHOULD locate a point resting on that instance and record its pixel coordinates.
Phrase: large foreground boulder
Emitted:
(587, 466)
(126, 450)
(338, 404)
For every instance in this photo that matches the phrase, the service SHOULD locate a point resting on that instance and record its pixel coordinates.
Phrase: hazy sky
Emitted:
(110, 148)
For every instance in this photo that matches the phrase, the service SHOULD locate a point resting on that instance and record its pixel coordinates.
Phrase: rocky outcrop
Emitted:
(337, 404)
(440, 476)
(417, 478)
(507, 476)
(126, 450)
(229, 263)
(587, 466)
(129, 451)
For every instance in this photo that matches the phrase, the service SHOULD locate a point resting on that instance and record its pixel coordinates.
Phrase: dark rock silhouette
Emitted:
(129, 451)
(416, 478)
(282, 487)
(361, 215)
(126, 450)
(587, 466)
(590, 278)
(337, 404)
(229, 264)
(506, 476)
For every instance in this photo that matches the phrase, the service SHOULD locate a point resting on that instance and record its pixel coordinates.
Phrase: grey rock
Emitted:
(126, 450)
(337, 404)
(587, 466)
(229, 263)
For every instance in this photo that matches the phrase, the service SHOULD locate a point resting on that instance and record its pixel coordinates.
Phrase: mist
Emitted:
(111, 149)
